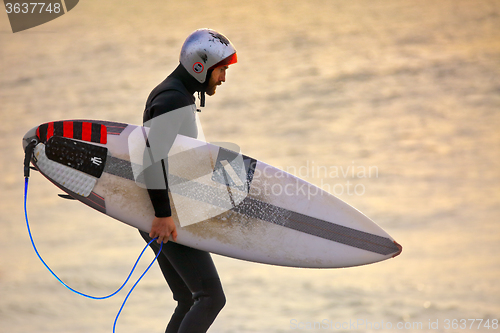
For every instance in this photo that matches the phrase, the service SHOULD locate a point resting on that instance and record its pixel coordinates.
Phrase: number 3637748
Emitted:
(32, 8)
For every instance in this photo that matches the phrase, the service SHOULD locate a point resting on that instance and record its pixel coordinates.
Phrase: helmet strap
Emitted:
(201, 95)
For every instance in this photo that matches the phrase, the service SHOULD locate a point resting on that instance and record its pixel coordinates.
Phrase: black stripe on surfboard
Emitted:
(118, 167)
(273, 214)
(316, 227)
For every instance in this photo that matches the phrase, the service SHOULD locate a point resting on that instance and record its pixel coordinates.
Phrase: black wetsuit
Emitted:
(190, 273)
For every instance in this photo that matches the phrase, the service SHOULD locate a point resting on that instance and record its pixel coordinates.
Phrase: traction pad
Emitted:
(78, 155)
(63, 176)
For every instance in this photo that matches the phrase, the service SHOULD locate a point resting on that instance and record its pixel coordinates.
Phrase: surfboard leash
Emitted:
(28, 153)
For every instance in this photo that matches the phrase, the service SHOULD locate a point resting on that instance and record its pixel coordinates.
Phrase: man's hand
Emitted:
(163, 227)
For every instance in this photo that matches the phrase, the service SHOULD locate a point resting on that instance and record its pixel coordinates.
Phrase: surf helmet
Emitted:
(204, 50)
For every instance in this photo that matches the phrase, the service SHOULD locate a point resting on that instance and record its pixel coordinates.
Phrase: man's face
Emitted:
(218, 76)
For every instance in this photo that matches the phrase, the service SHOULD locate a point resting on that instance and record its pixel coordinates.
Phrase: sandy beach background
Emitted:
(410, 89)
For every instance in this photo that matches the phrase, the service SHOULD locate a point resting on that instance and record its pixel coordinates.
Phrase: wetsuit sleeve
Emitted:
(164, 118)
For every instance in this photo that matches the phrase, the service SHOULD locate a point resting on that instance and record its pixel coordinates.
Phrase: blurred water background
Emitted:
(408, 88)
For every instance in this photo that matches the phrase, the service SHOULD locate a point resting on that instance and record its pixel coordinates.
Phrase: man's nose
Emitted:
(222, 76)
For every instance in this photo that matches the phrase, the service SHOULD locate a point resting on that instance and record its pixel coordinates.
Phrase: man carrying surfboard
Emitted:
(170, 110)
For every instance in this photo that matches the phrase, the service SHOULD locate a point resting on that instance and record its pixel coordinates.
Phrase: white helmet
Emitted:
(205, 49)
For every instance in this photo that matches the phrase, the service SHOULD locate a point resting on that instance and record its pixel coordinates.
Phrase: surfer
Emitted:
(170, 110)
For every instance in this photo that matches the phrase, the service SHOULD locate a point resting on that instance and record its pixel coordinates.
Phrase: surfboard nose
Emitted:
(400, 249)
(29, 136)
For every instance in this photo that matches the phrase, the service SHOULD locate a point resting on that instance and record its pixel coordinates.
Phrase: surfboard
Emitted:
(223, 202)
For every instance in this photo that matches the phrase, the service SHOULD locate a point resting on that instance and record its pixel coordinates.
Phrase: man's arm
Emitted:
(164, 127)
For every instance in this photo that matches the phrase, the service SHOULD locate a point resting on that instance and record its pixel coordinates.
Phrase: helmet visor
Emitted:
(232, 59)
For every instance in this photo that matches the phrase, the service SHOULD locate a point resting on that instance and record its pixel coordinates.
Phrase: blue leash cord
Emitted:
(80, 293)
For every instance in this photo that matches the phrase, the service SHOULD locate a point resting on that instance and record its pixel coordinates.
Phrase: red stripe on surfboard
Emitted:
(89, 198)
(97, 195)
(86, 131)
(104, 134)
(68, 129)
(50, 130)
